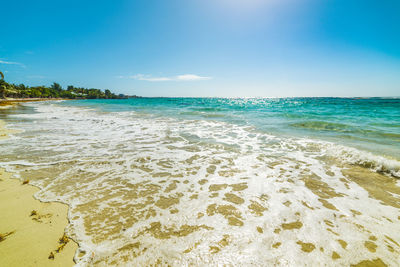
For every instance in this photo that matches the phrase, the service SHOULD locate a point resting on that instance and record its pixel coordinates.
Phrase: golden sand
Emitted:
(31, 232)
(13, 101)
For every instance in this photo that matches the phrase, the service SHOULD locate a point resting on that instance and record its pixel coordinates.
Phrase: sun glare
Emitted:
(248, 4)
(247, 8)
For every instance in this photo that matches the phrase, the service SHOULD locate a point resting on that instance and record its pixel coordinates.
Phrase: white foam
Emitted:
(105, 159)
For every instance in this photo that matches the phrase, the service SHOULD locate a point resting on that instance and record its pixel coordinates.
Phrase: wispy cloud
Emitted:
(11, 63)
(191, 77)
(149, 78)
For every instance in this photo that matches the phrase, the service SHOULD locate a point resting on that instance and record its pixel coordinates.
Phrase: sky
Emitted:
(223, 48)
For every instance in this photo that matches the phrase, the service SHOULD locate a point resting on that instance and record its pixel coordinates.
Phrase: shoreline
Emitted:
(14, 101)
(354, 206)
(31, 231)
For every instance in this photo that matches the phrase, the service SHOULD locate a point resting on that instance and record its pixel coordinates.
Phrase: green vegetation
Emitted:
(2, 85)
(54, 91)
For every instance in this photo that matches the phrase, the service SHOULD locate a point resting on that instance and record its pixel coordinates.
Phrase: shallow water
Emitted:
(187, 181)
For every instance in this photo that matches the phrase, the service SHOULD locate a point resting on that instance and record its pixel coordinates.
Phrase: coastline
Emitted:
(31, 230)
(13, 101)
(352, 205)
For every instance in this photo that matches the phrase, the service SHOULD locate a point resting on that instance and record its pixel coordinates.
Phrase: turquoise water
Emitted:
(371, 124)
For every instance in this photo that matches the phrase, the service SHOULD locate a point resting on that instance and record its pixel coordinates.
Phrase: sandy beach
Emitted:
(200, 133)
(31, 232)
(132, 186)
(160, 190)
(13, 101)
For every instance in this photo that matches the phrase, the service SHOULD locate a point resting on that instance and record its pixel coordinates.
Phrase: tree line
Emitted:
(54, 91)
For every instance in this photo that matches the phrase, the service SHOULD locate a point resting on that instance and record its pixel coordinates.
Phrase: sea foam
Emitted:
(146, 189)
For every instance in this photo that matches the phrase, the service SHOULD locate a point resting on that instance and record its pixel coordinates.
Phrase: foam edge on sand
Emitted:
(31, 231)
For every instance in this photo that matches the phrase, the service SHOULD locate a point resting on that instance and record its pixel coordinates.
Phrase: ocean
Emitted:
(217, 181)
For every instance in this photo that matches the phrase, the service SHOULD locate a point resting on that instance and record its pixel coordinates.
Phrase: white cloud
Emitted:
(12, 63)
(191, 77)
(149, 78)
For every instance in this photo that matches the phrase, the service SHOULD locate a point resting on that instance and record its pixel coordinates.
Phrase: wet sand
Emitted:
(30, 230)
(10, 101)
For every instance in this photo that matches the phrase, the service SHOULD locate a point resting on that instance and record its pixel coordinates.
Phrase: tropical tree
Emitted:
(56, 86)
(54, 91)
(2, 86)
(108, 93)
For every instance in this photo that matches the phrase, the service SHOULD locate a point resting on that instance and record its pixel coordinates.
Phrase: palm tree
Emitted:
(2, 86)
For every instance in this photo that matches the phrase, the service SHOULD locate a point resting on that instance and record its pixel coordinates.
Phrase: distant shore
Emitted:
(12, 101)
(31, 231)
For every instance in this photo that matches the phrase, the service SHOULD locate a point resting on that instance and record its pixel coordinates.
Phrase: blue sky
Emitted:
(205, 47)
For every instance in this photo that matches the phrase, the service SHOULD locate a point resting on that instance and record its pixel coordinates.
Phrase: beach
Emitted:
(200, 133)
(31, 230)
(13, 101)
(176, 181)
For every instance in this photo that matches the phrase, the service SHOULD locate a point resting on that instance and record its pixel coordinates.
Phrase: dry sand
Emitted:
(30, 230)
